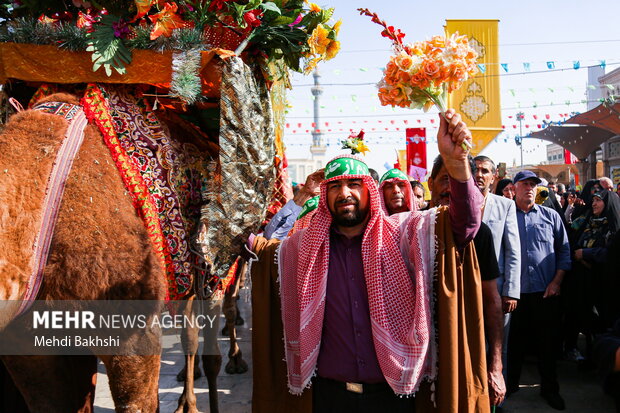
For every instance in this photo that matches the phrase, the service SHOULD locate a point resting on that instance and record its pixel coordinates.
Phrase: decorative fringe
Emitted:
(185, 76)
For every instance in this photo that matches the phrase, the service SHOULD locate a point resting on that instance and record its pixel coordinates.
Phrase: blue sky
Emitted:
(534, 32)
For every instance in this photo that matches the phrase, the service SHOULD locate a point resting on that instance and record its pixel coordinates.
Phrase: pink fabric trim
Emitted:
(51, 204)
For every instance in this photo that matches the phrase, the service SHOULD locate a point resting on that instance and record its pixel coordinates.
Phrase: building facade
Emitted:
(611, 148)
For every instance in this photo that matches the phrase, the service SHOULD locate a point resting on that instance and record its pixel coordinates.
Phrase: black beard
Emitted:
(350, 219)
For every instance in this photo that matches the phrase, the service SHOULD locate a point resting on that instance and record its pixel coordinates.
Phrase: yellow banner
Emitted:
(402, 160)
(478, 100)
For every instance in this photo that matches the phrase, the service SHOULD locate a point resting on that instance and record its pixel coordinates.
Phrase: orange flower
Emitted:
(430, 68)
(165, 21)
(420, 80)
(311, 65)
(337, 26)
(404, 77)
(315, 8)
(391, 73)
(318, 41)
(142, 8)
(404, 61)
(332, 50)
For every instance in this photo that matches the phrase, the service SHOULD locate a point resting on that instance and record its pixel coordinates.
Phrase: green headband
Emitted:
(394, 173)
(345, 166)
(309, 206)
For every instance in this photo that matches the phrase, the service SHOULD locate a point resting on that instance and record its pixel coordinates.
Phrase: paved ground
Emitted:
(580, 390)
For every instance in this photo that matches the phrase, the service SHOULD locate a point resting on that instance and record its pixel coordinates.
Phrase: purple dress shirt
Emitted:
(347, 350)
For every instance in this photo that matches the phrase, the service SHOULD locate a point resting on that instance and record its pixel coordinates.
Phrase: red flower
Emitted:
(252, 18)
(165, 21)
(217, 5)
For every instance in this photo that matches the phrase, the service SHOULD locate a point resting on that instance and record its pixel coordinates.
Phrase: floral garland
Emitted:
(287, 30)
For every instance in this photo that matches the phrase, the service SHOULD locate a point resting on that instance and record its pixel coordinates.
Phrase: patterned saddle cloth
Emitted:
(166, 176)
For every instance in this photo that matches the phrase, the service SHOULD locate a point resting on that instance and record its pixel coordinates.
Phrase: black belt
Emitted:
(359, 388)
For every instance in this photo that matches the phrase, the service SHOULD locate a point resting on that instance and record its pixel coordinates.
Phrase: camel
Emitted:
(100, 251)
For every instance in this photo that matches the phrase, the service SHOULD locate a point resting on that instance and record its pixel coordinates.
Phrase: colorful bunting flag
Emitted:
(550, 65)
(576, 64)
(526, 67)
(504, 66)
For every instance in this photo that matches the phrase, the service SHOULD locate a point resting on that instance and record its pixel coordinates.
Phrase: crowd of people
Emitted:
(372, 270)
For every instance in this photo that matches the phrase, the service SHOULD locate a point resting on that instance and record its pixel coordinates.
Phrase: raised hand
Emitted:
(311, 188)
(453, 138)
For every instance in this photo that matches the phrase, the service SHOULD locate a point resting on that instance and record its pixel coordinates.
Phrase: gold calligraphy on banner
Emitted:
(478, 100)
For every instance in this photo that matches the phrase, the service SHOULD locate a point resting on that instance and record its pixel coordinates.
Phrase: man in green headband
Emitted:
(396, 192)
(356, 290)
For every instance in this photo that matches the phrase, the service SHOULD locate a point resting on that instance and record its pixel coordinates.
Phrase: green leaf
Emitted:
(271, 7)
(252, 4)
(326, 14)
(282, 20)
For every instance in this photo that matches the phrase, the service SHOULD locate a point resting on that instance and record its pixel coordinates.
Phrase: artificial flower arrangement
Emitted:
(421, 74)
(355, 143)
(278, 30)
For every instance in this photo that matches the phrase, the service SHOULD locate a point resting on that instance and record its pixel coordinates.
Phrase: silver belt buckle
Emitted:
(355, 387)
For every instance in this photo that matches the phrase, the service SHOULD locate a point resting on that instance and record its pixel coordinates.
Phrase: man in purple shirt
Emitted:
(355, 287)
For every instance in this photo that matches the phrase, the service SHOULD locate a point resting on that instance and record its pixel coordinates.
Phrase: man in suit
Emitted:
(499, 214)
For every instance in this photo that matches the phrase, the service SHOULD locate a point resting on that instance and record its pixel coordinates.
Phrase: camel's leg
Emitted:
(55, 383)
(189, 342)
(187, 401)
(239, 321)
(236, 364)
(133, 382)
(211, 357)
(182, 374)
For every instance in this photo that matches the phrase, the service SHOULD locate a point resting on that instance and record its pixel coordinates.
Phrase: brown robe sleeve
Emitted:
(461, 385)
(270, 392)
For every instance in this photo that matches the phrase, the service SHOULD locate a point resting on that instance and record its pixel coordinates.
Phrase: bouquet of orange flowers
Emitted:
(421, 74)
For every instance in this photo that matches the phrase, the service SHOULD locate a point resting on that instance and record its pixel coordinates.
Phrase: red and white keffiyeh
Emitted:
(409, 200)
(399, 294)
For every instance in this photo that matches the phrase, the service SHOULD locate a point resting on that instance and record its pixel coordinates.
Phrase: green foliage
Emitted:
(25, 30)
(140, 38)
(181, 39)
(281, 42)
(108, 50)
(71, 37)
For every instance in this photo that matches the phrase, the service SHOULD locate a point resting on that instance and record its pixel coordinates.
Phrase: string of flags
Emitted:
(506, 67)
(377, 138)
(527, 66)
(528, 122)
(522, 92)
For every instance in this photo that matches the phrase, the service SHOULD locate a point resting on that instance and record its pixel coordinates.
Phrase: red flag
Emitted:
(569, 158)
(416, 150)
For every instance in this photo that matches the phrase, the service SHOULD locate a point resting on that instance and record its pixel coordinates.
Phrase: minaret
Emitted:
(317, 149)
